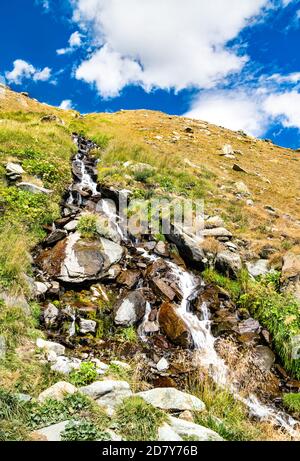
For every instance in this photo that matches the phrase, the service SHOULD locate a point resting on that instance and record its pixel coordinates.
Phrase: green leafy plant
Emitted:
(77, 431)
(85, 375)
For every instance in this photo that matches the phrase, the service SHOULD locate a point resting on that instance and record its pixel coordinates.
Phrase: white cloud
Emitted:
(24, 70)
(163, 43)
(75, 41)
(293, 77)
(285, 107)
(66, 104)
(233, 109)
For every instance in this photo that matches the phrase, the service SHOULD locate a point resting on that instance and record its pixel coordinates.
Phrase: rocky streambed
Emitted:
(94, 281)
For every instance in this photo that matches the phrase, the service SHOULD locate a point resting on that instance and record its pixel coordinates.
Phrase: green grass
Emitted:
(87, 225)
(137, 420)
(292, 403)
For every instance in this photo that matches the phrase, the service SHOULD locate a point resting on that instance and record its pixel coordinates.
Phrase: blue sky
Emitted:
(230, 62)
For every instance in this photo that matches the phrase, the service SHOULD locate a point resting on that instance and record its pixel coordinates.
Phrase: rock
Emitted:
(55, 236)
(161, 249)
(172, 399)
(214, 222)
(140, 167)
(76, 260)
(123, 365)
(187, 415)
(50, 346)
(163, 289)
(241, 188)
(189, 247)
(57, 392)
(2, 347)
(14, 168)
(33, 188)
(50, 315)
(228, 263)
(65, 365)
(290, 275)
(167, 434)
(257, 268)
(188, 429)
(40, 288)
(131, 309)
(173, 326)
(162, 365)
(71, 225)
(237, 167)
(227, 150)
(129, 278)
(98, 389)
(87, 326)
(217, 232)
(16, 301)
(53, 433)
(248, 329)
(266, 357)
(52, 118)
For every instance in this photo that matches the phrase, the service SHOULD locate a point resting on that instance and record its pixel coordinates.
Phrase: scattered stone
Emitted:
(57, 392)
(266, 357)
(170, 398)
(290, 275)
(33, 188)
(217, 232)
(50, 346)
(241, 188)
(163, 289)
(71, 225)
(214, 222)
(161, 249)
(87, 326)
(50, 315)
(129, 278)
(173, 326)
(131, 309)
(162, 365)
(188, 429)
(98, 389)
(40, 288)
(65, 365)
(227, 150)
(228, 263)
(257, 268)
(55, 236)
(14, 169)
(237, 167)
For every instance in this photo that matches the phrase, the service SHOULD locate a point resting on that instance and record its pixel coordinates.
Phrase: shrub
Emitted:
(292, 403)
(87, 225)
(86, 374)
(77, 431)
(127, 334)
(137, 420)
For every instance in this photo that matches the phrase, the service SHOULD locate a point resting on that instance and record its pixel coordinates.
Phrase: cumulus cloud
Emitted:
(285, 107)
(24, 70)
(233, 109)
(66, 104)
(75, 41)
(163, 43)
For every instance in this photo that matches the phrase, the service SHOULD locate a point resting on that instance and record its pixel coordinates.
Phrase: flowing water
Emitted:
(203, 339)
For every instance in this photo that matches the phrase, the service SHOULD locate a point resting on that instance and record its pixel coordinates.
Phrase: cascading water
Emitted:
(203, 339)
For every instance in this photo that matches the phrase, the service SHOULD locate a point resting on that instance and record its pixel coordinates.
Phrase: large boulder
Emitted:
(195, 431)
(173, 326)
(49, 346)
(169, 398)
(52, 433)
(57, 392)
(33, 188)
(189, 246)
(131, 309)
(257, 268)
(76, 260)
(98, 389)
(228, 263)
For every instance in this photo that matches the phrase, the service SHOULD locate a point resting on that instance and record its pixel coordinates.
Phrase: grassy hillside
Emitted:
(260, 205)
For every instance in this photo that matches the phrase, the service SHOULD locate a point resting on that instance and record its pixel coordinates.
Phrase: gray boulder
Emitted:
(169, 398)
(130, 309)
(188, 429)
(33, 188)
